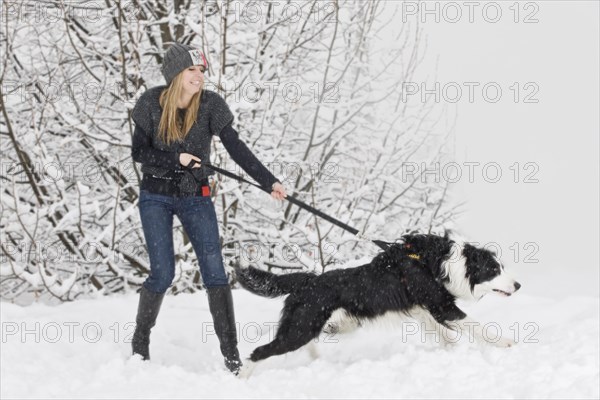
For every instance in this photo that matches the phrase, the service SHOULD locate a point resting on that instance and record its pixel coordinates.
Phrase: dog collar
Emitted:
(415, 256)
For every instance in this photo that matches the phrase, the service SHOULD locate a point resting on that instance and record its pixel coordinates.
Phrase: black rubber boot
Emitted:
(148, 309)
(220, 303)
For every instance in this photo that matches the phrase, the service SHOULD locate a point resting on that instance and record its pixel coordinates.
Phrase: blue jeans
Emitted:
(199, 220)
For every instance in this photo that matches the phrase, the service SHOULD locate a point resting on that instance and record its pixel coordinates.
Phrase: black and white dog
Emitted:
(421, 276)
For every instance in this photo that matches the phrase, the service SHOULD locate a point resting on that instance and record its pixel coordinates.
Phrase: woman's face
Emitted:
(193, 78)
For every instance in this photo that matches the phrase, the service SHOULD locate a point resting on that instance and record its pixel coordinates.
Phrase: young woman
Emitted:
(174, 124)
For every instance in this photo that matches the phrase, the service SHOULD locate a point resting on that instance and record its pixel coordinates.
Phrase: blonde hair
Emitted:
(169, 128)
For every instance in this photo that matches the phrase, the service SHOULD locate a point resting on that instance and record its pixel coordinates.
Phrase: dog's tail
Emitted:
(266, 284)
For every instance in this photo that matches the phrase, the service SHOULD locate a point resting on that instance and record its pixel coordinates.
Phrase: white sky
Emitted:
(559, 134)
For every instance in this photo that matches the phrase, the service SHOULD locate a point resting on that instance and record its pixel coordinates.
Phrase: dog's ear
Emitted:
(471, 253)
(436, 250)
(447, 233)
(477, 254)
(411, 240)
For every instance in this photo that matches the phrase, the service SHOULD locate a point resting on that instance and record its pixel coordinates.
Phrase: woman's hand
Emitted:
(186, 158)
(278, 191)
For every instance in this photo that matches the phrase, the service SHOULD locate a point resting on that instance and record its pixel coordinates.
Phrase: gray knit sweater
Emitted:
(160, 160)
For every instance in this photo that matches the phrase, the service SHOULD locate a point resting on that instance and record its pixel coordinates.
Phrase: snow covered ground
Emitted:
(81, 350)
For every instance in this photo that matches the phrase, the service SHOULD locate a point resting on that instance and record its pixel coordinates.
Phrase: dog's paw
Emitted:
(312, 350)
(445, 343)
(246, 369)
(504, 343)
(331, 328)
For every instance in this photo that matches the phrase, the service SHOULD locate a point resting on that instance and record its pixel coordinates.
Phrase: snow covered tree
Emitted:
(317, 93)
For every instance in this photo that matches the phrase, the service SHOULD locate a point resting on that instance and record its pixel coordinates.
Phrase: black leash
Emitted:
(382, 244)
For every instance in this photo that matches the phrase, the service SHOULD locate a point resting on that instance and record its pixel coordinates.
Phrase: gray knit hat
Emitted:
(179, 57)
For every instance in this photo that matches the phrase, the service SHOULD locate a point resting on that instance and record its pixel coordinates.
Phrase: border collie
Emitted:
(421, 276)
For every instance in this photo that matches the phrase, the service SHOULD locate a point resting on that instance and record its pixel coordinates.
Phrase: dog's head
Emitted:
(468, 272)
(472, 272)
